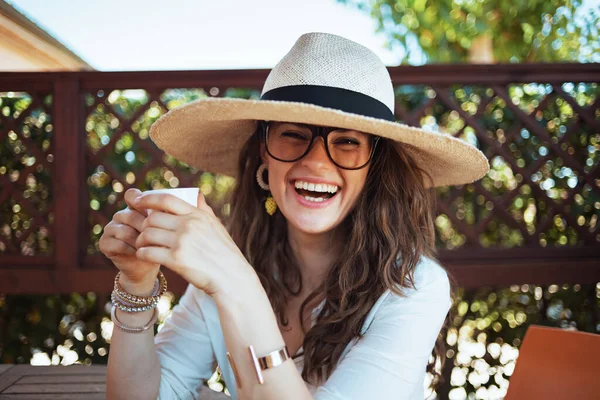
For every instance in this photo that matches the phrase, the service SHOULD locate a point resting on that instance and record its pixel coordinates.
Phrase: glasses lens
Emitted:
(287, 141)
(348, 149)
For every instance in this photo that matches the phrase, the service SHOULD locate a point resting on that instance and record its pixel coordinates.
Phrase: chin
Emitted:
(311, 224)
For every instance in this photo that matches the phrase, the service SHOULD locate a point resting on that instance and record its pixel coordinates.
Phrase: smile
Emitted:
(314, 194)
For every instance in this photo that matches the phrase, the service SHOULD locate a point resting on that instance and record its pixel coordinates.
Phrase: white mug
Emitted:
(190, 195)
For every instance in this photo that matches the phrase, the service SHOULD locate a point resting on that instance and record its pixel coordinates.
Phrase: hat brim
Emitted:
(208, 134)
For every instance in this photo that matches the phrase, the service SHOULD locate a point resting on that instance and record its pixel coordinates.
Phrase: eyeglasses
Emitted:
(346, 148)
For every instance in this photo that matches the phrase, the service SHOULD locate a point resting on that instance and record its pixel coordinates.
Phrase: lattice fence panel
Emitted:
(26, 169)
(542, 142)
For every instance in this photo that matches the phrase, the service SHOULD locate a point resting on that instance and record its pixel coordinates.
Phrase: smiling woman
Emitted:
(323, 283)
(366, 233)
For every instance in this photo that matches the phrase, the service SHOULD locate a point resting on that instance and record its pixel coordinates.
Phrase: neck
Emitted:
(315, 253)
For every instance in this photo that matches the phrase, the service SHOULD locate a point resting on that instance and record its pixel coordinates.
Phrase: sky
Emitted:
(129, 35)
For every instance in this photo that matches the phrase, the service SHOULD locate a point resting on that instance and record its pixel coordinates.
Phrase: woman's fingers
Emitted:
(122, 232)
(130, 217)
(112, 246)
(159, 255)
(130, 196)
(203, 205)
(155, 237)
(159, 219)
(165, 202)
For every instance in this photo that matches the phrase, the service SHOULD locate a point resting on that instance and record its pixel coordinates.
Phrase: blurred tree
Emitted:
(488, 31)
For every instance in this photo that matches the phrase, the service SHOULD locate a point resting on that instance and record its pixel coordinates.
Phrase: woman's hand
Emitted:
(118, 244)
(192, 242)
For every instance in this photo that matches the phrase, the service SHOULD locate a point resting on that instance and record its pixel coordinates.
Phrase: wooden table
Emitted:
(28, 382)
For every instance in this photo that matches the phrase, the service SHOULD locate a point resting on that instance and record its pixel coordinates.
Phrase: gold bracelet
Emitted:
(128, 307)
(271, 360)
(238, 382)
(141, 301)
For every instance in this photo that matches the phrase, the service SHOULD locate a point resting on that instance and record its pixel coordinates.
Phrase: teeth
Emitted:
(315, 199)
(319, 187)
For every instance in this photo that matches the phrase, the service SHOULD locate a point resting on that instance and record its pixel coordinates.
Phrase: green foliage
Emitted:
(63, 328)
(521, 31)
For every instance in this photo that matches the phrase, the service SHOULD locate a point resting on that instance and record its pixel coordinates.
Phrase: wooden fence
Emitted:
(533, 219)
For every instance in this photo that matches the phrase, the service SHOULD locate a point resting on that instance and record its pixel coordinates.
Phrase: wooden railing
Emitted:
(72, 143)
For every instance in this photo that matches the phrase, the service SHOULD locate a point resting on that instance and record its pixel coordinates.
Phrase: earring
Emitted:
(270, 205)
(259, 177)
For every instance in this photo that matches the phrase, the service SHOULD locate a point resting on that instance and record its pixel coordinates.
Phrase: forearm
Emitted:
(133, 370)
(247, 318)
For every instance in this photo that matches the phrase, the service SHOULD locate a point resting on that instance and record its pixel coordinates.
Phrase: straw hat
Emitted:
(324, 79)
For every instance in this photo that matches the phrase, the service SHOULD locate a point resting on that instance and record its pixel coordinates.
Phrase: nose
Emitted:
(317, 155)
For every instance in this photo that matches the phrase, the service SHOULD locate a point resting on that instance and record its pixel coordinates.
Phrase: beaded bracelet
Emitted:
(140, 300)
(128, 307)
(127, 303)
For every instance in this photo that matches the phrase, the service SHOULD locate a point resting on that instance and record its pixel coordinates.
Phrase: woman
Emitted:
(328, 257)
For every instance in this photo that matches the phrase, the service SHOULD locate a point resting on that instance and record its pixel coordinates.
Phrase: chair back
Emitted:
(556, 363)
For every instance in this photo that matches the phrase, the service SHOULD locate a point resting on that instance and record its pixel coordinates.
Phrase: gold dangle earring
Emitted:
(270, 204)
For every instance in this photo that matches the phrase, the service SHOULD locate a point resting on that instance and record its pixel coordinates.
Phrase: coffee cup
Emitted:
(189, 195)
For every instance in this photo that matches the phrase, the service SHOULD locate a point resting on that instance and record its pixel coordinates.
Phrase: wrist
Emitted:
(143, 288)
(244, 289)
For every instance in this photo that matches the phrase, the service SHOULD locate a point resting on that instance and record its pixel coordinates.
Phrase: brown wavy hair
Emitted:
(401, 225)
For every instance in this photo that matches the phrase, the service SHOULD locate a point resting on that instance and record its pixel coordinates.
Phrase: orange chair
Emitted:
(556, 363)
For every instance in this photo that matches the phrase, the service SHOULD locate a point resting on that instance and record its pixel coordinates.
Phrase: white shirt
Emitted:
(388, 362)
